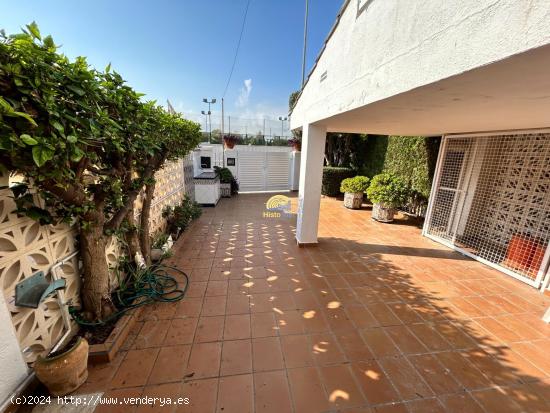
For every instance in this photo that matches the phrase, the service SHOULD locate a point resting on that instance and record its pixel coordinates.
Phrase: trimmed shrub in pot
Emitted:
(353, 189)
(332, 178)
(161, 246)
(228, 184)
(387, 192)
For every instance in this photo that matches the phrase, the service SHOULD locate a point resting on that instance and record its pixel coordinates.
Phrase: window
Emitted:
(206, 162)
(230, 161)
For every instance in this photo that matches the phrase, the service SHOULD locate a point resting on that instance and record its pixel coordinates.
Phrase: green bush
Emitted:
(180, 216)
(159, 239)
(333, 177)
(388, 189)
(355, 185)
(411, 158)
(226, 177)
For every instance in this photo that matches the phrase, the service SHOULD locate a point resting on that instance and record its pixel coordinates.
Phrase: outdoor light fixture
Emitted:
(209, 102)
(282, 119)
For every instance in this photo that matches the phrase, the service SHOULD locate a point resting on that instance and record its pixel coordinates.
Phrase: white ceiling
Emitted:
(513, 93)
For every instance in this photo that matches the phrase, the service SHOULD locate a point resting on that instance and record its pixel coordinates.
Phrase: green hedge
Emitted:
(333, 177)
(411, 158)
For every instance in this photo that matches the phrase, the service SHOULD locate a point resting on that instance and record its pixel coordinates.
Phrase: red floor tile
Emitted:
(307, 390)
(236, 394)
(271, 393)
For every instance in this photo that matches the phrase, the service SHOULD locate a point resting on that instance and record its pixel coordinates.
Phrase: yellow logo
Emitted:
(278, 205)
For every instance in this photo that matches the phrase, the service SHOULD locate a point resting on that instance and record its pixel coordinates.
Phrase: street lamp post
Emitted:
(209, 102)
(282, 119)
(206, 115)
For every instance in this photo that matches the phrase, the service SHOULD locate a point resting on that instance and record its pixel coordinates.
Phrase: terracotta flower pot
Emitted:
(66, 372)
(297, 146)
(353, 200)
(524, 253)
(229, 143)
(382, 213)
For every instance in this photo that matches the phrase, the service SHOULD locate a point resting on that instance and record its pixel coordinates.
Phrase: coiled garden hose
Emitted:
(144, 286)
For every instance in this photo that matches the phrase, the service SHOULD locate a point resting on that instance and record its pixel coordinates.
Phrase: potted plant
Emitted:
(387, 192)
(162, 244)
(296, 143)
(179, 217)
(353, 189)
(229, 141)
(65, 371)
(228, 183)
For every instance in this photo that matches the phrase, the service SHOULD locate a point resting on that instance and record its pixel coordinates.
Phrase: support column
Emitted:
(311, 174)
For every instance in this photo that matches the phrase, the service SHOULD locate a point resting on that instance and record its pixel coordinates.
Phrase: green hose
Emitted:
(148, 285)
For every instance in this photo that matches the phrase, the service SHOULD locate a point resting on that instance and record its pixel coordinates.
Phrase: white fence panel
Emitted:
(277, 171)
(251, 171)
(256, 168)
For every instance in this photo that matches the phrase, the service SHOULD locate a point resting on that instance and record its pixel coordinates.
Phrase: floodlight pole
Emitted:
(209, 102)
(282, 119)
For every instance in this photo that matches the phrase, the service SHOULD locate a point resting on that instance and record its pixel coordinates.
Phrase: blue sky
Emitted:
(183, 50)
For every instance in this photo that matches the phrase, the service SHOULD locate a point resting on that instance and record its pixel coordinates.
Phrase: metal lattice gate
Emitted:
(491, 201)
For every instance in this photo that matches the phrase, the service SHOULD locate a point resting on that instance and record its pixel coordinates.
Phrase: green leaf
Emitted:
(33, 28)
(77, 90)
(72, 139)
(77, 155)
(5, 106)
(38, 214)
(23, 115)
(58, 126)
(42, 154)
(29, 140)
(48, 42)
(108, 68)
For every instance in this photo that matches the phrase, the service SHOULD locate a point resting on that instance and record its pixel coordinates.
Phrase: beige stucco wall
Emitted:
(393, 46)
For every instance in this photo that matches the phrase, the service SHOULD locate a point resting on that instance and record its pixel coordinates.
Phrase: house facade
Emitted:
(474, 72)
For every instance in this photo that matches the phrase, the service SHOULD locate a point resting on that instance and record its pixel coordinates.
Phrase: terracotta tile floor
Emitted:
(375, 318)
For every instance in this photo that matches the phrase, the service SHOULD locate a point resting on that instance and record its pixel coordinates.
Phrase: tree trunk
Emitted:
(144, 237)
(96, 300)
(132, 238)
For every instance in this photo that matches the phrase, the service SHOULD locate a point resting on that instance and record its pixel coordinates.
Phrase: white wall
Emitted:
(13, 369)
(395, 46)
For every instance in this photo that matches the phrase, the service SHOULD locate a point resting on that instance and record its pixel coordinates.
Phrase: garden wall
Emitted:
(27, 247)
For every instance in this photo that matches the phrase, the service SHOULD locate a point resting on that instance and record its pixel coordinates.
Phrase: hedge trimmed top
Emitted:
(357, 184)
(389, 190)
(83, 137)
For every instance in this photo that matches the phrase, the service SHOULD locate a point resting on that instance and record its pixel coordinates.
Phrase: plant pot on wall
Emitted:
(229, 141)
(383, 213)
(157, 253)
(296, 144)
(65, 372)
(353, 200)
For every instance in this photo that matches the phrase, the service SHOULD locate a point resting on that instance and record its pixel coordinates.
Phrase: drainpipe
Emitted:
(64, 312)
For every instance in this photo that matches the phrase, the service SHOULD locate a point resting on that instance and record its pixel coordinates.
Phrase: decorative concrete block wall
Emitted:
(27, 247)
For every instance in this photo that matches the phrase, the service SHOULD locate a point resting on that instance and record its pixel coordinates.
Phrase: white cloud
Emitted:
(244, 94)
